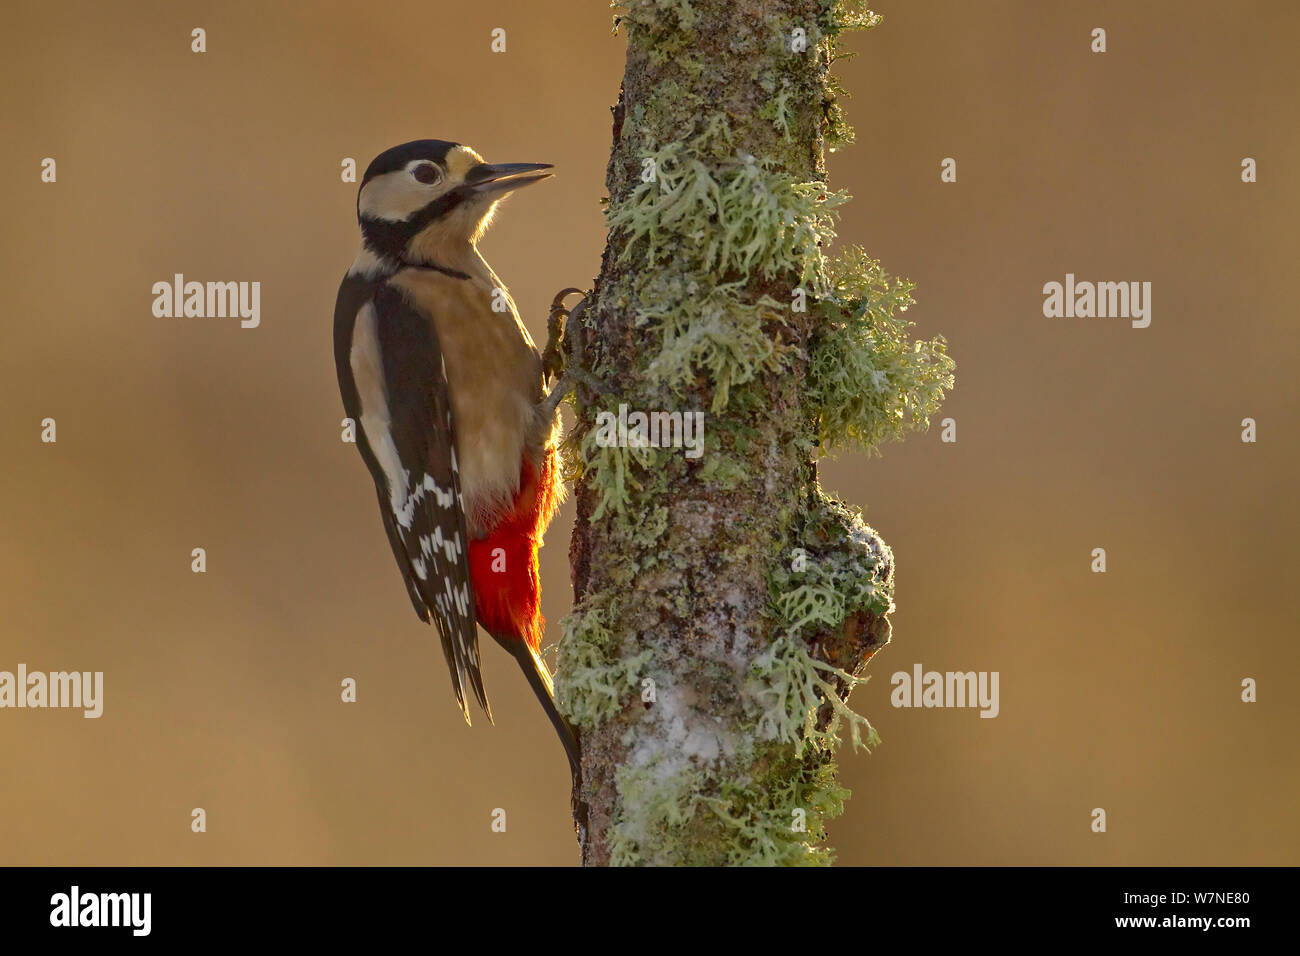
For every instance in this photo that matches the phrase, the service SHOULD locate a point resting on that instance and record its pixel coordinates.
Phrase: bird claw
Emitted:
(557, 325)
(593, 383)
(564, 335)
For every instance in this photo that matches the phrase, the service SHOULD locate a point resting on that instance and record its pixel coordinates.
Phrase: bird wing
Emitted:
(413, 444)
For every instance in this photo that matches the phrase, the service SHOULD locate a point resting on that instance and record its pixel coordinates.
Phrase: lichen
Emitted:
(709, 330)
(739, 218)
(838, 567)
(593, 677)
(854, 15)
(654, 802)
(792, 688)
(612, 470)
(777, 109)
(843, 16)
(734, 760)
(674, 811)
(762, 825)
(867, 382)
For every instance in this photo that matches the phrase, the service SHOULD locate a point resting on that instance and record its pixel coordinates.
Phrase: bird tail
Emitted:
(465, 669)
(539, 679)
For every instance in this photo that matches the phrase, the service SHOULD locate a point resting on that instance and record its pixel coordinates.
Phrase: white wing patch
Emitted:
(408, 426)
(368, 373)
(404, 511)
(457, 597)
(451, 548)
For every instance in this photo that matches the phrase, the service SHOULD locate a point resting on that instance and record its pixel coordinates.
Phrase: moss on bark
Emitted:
(725, 605)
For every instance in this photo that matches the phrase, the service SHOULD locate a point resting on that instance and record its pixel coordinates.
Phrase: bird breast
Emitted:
(494, 378)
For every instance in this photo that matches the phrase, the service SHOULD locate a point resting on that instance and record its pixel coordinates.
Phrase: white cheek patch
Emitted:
(395, 196)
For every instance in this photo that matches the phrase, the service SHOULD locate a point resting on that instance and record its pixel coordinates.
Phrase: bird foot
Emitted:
(554, 359)
(564, 347)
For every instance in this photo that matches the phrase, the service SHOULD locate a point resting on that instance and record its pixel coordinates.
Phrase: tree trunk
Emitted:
(723, 604)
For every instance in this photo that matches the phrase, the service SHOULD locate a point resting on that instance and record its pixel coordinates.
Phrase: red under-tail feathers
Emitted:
(508, 594)
(504, 567)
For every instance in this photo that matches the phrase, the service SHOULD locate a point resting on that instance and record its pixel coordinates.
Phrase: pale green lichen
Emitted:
(796, 712)
(792, 687)
(845, 15)
(777, 109)
(724, 471)
(672, 813)
(703, 245)
(609, 468)
(762, 824)
(867, 382)
(654, 803)
(675, 16)
(594, 679)
(650, 528)
(839, 567)
(709, 330)
(738, 219)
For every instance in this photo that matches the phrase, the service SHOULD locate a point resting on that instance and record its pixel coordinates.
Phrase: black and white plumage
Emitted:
(421, 206)
(446, 389)
(384, 346)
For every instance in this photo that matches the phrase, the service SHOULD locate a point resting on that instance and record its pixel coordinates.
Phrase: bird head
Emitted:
(430, 198)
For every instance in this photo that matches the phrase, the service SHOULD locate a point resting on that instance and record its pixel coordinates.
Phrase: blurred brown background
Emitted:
(222, 690)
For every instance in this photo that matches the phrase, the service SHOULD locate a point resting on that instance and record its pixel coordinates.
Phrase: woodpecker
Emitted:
(456, 429)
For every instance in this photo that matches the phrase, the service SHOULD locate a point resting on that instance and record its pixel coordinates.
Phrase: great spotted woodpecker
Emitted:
(447, 387)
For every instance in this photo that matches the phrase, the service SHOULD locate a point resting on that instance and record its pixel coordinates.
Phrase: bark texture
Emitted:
(723, 604)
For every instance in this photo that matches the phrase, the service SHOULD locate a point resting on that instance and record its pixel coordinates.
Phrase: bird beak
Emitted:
(504, 177)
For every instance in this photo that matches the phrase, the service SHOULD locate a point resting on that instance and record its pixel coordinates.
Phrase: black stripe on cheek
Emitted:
(388, 238)
(442, 206)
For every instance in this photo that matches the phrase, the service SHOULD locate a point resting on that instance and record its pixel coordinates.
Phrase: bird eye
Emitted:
(426, 173)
